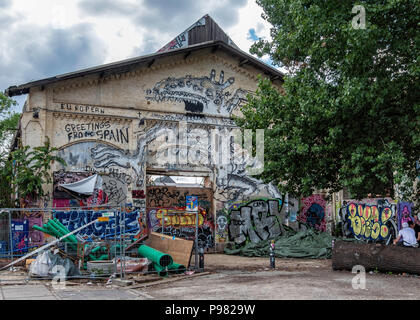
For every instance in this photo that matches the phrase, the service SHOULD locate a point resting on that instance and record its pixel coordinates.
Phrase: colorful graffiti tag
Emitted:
(134, 223)
(178, 222)
(369, 221)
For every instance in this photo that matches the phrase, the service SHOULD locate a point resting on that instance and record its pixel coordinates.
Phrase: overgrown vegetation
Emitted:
(23, 171)
(350, 112)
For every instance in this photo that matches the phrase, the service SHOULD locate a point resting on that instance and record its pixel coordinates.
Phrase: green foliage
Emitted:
(350, 113)
(26, 171)
(8, 119)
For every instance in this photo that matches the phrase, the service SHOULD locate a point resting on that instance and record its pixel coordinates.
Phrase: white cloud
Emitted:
(48, 37)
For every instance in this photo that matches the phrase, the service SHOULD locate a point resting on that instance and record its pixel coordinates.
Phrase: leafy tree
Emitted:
(8, 119)
(349, 114)
(25, 172)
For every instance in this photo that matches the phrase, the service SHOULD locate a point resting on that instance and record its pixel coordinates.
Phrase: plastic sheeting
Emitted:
(303, 244)
(85, 186)
(45, 262)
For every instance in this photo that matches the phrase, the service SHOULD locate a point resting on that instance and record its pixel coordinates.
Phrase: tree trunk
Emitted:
(347, 255)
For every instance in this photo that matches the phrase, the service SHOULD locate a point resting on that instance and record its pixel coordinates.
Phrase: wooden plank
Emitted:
(179, 249)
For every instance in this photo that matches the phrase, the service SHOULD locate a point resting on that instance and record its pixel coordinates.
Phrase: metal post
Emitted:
(123, 241)
(196, 240)
(121, 262)
(10, 236)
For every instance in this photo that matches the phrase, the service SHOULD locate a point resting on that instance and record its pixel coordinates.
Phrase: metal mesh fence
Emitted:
(104, 246)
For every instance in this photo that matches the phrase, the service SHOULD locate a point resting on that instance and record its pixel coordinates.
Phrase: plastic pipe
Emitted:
(58, 233)
(162, 272)
(38, 228)
(62, 229)
(176, 267)
(159, 258)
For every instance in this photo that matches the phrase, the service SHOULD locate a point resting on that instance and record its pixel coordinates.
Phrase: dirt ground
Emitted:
(243, 278)
(219, 262)
(235, 278)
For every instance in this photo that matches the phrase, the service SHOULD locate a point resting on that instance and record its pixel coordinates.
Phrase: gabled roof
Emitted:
(200, 37)
(203, 30)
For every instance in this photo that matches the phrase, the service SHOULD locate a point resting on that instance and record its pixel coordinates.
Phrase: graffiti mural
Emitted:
(166, 211)
(134, 222)
(180, 223)
(199, 94)
(404, 210)
(369, 221)
(222, 222)
(255, 221)
(182, 39)
(313, 212)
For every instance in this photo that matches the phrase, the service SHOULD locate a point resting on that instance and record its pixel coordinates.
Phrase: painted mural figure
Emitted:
(199, 94)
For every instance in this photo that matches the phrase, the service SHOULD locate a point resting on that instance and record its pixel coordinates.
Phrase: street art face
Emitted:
(369, 221)
(313, 212)
(199, 94)
(404, 213)
(255, 221)
(222, 224)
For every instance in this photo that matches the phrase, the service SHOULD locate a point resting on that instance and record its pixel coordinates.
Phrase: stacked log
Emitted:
(390, 258)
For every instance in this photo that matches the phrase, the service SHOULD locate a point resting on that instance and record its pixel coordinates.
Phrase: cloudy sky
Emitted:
(44, 38)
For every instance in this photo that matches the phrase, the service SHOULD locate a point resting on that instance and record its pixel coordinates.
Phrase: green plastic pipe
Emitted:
(178, 268)
(62, 230)
(159, 258)
(38, 228)
(62, 227)
(162, 272)
(58, 233)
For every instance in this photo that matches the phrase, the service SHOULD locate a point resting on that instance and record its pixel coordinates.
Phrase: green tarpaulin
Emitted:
(303, 244)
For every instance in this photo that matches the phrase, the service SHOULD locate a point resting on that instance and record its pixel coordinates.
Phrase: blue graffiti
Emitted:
(315, 215)
(73, 220)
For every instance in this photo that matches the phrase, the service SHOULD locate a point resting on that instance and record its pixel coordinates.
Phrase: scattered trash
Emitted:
(101, 268)
(134, 264)
(189, 273)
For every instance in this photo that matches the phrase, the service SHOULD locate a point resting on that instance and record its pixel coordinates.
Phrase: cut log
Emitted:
(346, 255)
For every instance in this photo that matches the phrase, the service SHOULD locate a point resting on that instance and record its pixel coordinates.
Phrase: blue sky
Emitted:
(44, 38)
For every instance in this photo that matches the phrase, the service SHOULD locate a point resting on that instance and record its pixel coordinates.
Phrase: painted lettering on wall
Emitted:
(81, 108)
(255, 221)
(96, 130)
(176, 221)
(369, 221)
(133, 222)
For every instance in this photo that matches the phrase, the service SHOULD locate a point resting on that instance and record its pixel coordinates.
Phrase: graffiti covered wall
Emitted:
(313, 212)
(133, 221)
(255, 221)
(166, 212)
(371, 219)
(404, 210)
